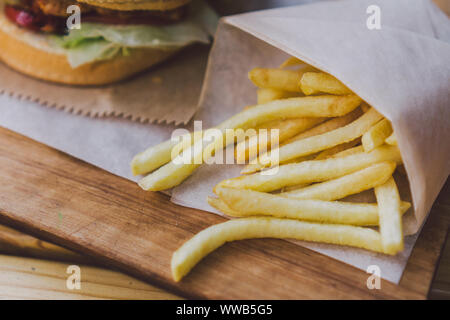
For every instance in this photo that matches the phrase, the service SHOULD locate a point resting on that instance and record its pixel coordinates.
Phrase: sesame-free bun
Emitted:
(54, 66)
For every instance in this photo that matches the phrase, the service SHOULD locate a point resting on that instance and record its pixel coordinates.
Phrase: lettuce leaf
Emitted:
(92, 50)
(95, 42)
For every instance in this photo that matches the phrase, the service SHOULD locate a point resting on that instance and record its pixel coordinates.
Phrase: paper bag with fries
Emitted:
(358, 92)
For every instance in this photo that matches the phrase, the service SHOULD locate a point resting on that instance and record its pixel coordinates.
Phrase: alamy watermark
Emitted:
(374, 281)
(225, 146)
(73, 282)
(74, 20)
(374, 20)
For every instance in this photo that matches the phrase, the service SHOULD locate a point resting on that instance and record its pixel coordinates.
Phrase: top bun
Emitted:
(128, 5)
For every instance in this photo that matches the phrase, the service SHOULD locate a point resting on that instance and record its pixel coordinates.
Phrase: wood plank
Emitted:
(86, 209)
(13, 242)
(25, 278)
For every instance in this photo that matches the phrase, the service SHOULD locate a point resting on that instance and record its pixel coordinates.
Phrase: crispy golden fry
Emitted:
(296, 160)
(330, 106)
(321, 106)
(376, 135)
(286, 80)
(287, 128)
(177, 170)
(389, 204)
(291, 62)
(330, 190)
(344, 186)
(317, 82)
(222, 206)
(152, 158)
(279, 79)
(328, 153)
(172, 174)
(348, 152)
(155, 157)
(168, 176)
(328, 125)
(293, 188)
(206, 241)
(318, 143)
(267, 95)
(312, 171)
(392, 140)
(253, 203)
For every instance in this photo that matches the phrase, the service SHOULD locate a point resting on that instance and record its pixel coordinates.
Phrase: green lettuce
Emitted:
(95, 42)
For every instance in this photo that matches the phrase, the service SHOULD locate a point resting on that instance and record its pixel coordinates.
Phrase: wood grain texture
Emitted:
(81, 207)
(13, 242)
(24, 278)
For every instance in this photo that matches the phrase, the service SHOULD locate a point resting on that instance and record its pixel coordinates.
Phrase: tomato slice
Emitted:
(21, 17)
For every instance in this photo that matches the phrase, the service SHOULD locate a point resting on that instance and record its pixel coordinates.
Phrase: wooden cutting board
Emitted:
(81, 207)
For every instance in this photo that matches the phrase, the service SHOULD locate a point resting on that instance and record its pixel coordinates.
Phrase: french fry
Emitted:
(376, 135)
(253, 203)
(285, 80)
(344, 186)
(167, 176)
(218, 204)
(172, 174)
(324, 127)
(152, 158)
(328, 153)
(177, 170)
(293, 188)
(312, 171)
(316, 107)
(267, 95)
(329, 106)
(348, 152)
(287, 128)
(156, 156)
(208, 240)
(392, 140)
(318, 143)
(328, 125)
(330, 190)
(291, 62)
(389, 204)
(279, 79)
(317, 82)
(159, 155)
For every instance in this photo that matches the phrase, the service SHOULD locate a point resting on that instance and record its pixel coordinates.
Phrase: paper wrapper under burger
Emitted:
(402, 70)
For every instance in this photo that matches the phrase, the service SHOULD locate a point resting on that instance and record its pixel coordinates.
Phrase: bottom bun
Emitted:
(54, 66)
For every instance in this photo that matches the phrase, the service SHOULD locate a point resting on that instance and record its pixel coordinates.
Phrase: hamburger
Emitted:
(115, 39)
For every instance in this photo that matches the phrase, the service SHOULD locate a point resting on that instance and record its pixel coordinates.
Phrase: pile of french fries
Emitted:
(330, 145)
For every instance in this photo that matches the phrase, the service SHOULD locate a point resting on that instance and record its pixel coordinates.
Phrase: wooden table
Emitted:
(64, 200)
